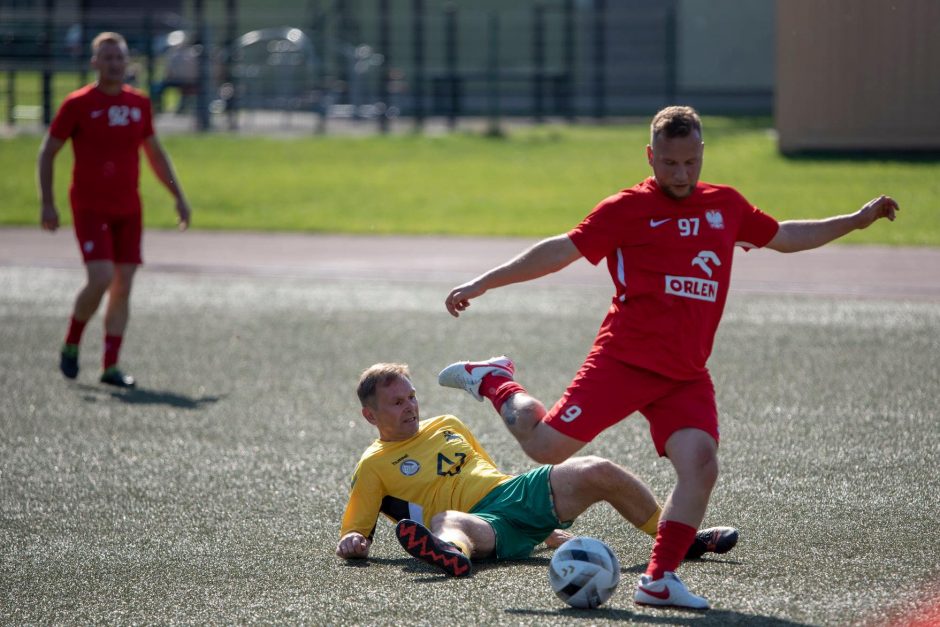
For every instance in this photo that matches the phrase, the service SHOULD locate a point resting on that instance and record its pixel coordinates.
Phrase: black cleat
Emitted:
(114, 376)
(424, 545)
(712, 540)
(68, 361)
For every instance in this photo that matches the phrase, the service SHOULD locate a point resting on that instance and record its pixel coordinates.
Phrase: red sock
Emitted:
(498, 389)
(74, 334)
(112, 346)
(673, 540)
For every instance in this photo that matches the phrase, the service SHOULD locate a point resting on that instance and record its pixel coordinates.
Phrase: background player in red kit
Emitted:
(669, 244)
(108, 122)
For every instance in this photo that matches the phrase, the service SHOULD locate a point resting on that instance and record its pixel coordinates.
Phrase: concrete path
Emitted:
(836, 270)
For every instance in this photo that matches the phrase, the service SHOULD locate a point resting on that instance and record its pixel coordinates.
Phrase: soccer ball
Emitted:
(584, 572)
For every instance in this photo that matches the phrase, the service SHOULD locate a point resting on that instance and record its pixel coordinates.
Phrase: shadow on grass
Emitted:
(385, 561)
(712, 560)
(413, 566)
(144, 396)
(864, 156)
(636, 569)
(409, 566)
(689, 617)
(429, 575)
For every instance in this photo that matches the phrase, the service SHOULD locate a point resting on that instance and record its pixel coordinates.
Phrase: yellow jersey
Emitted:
(442, 467)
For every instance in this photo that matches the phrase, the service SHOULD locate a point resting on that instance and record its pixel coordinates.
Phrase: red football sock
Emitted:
(74, 334)
(673, 540)
(112, 346)
(498, 389)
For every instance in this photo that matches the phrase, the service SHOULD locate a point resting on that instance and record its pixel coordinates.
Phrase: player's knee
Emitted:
(120, 289)
(447, 519)
(593, 465)
(526, 408)
(709, 470)
(704, 467)
(99, 282)
(694, 454)
(438, 520)
(122, 282)
(595, 479)
(601, 474)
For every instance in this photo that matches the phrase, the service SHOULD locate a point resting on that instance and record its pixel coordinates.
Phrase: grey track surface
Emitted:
(212, 493)
(835, 270)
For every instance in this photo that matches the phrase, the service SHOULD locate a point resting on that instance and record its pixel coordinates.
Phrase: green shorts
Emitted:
(521, 512)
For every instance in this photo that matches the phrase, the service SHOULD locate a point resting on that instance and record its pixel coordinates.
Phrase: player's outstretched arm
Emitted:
(163, 169)
(796, 235)
(353, 545)
(549, 255)
(48, 213)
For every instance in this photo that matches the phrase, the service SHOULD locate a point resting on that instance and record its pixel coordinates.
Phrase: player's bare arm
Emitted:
(163, 169)
(353, 545)
(547, 256)
(48, 213)
(796, 235)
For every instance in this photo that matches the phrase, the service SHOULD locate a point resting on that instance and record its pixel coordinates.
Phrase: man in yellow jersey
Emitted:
(450, 501)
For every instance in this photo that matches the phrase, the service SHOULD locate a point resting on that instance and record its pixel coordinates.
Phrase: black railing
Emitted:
(378, 60)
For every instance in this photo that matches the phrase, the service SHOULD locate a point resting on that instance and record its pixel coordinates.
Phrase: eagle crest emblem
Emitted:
(715, 219)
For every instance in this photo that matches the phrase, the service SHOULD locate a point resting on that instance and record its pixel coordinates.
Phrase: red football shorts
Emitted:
(605, 391)
(108, 238)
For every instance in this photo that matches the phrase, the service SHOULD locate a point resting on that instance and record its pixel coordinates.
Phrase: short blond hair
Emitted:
(379, 375)
(675, 121)
(108, 37)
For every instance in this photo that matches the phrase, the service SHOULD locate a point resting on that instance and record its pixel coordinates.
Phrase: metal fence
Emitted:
(232, 64)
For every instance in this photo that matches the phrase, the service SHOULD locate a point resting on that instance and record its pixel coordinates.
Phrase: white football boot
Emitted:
(468, 375)
(667, 592)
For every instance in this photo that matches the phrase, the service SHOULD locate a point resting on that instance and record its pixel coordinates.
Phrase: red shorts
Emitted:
(605, 391)
(108, 238)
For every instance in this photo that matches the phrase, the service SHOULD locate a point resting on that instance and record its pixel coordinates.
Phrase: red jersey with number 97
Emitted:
(670, 261)
(106, 133)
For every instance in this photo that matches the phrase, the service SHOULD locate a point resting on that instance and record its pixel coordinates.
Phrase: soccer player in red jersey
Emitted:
(450, 501)
(669, 243)
(108, 122)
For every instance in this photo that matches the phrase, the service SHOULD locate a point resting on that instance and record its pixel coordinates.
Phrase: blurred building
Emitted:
(858, 75)
(836, 74)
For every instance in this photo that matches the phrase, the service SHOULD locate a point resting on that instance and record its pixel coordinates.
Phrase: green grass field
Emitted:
(538, 181)
(213, 493)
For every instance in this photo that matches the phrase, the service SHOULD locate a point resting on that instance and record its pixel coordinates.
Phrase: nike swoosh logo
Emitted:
(655, 223)
(472, 370)
(97, 113)
(662, 595)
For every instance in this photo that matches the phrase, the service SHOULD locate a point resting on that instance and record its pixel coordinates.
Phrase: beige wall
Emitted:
(858, 74)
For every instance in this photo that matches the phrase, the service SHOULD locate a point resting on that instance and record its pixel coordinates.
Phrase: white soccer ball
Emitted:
(584, 572)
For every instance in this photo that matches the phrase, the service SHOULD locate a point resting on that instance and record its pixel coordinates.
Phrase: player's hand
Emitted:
(875, 209)
(557, 538)
(183, 211)
(459, 298)
(353, 545)
(49, 217)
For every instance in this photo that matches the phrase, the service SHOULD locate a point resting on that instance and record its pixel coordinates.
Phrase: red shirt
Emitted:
(671, 264)
(106, 133)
